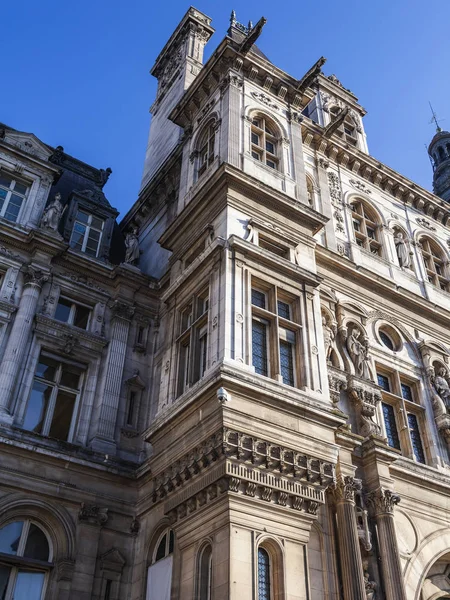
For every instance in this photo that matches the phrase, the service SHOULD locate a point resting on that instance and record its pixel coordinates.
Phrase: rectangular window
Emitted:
(258, 298)
(383, 382)
(390, 425)
(416, 441)
(407, 392)
(271, 164)
(259, 348)
(193, 342)
(255, 139)
(54, 396)
(12, 195)
(72, 313)
(270, 147)
(256, 155)
(275, 334)
(87, 233)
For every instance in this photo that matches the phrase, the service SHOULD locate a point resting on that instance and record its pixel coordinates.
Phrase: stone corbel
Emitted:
(365, 395)
(337, 381)
(92, 514)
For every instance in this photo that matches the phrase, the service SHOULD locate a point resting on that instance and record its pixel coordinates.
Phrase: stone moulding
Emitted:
(231, 461)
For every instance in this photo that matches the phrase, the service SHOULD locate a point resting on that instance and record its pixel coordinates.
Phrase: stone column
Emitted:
(327, 201)
(347, 530)
(231, 88)
(104, 440)
(16, 346)
(382, 502)
(91, 518)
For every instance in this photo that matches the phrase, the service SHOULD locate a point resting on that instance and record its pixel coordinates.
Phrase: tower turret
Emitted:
(439, 151)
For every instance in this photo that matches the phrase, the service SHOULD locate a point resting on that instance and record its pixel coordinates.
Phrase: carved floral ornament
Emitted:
(425, 223)
(360, 186)
(93, 514)
(343, 490)
(265, 100)
(382, 500)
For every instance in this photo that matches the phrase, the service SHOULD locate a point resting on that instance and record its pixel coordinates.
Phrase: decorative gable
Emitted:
(112, 561)
(28, 143)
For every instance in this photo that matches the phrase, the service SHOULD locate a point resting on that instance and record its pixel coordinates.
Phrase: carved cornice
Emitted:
(382, 501)
(93, 514)
(230, 461)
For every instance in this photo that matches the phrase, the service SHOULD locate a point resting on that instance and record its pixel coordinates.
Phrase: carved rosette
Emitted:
(344, 488)
(365, 395)
(93, 514)
(382, 501)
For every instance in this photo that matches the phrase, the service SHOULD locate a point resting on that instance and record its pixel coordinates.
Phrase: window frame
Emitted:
(10, 191)
(364, 215)
(402, 408)
(276, 326)
(72, 314)
(263, 129)
(433, 263)
(57, 387)
(88, 227)
(192, 341)
(200, 573)
(206, 148)
(17, 562)
(167, 552)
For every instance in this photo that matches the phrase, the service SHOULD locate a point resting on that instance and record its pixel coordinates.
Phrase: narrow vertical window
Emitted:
(287, 349)
(259, 348)
(264, 582)
(108, 587)
(416, 441)
(390, 425)
(205, 574)
(131, 408)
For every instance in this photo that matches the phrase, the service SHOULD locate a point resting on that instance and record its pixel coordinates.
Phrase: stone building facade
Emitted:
(242, 391)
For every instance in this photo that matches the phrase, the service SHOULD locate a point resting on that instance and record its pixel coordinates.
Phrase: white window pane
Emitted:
(159, 580)
(29, 585)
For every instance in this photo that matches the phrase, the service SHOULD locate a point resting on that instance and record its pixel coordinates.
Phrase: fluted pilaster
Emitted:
(350, 554)
(382, 502)
(19, 336)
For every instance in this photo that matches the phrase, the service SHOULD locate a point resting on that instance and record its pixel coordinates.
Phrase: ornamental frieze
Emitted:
(231, 461)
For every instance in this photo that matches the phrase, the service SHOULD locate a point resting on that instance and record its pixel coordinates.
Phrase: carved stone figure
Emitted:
(103, 176)
(132, 245)
(404, 258)
(52, 214)
(370, 586)
(58, 155)
(329, 335)
(357, 346)
(442, 387)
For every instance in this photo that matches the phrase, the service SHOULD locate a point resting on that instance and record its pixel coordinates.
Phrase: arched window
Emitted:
(366, 227)
(264, 142)
(25, 557)
(264, 575)
(159, 579)
(434, 260)
(206, 148)
(205, 573)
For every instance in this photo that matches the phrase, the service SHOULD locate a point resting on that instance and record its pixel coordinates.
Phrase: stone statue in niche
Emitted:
(53, 214)
(441, 386)
(358, 348)
(370, 586)
(403, 254)
(329, 335)
(132, 246)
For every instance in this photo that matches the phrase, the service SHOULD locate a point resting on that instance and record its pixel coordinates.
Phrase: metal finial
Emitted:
(250, 26)
(435, 120)
(233, 18)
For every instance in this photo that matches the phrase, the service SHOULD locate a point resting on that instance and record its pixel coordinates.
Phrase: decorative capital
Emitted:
(122, 310)
(64, 569)
(135, 526)
(345, 487)
(95, 515)
(382, 501)
(34, 276)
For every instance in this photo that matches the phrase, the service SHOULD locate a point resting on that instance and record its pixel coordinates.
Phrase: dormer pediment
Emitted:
(28, 143)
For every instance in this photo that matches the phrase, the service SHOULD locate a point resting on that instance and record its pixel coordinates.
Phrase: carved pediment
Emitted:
(28, 143)
(112, 560)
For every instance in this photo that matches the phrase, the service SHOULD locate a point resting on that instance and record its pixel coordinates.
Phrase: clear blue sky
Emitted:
(77, 73)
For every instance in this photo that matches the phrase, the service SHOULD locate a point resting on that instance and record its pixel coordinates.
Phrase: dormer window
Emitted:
(87, 233)
(12, 194)
(264, 142)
